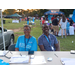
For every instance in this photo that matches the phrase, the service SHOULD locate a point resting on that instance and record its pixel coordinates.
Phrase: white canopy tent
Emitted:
(2, 28)
(3, 53)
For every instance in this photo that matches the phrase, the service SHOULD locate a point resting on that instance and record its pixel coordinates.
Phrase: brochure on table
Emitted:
(19, 59)
(68, 61)
(26, 59)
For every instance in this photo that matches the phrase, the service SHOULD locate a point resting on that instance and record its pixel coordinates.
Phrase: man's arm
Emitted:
(16, 49)
(42, 48)
(57, 47)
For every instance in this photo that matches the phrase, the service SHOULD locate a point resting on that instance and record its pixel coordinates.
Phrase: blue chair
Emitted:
(11, 47)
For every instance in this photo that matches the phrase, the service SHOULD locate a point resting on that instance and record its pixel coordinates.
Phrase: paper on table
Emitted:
(38, 60)
(19, 59)
(68, 61)
(2, 53)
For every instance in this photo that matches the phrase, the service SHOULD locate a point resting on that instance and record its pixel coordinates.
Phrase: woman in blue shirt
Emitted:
(26, 42)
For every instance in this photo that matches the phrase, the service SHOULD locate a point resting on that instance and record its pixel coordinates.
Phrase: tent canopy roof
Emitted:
(15, 15)
(51, 12)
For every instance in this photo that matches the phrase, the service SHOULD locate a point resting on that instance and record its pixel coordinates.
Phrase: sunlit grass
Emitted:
(65, 43)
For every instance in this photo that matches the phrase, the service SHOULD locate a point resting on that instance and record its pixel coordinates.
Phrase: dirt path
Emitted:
(16, 30)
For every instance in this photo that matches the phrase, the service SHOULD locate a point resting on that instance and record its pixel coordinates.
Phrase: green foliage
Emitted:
(27, 12)
(9, 11)
(67, 11)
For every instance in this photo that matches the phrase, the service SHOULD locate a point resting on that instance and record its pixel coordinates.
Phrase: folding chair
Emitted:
(59, 44)
(11, 47)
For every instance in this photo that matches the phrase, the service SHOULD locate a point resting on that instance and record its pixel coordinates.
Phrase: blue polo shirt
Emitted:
(30, 45)
(43, 41)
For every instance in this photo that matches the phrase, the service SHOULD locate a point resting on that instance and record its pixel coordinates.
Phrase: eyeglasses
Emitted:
(27, 30)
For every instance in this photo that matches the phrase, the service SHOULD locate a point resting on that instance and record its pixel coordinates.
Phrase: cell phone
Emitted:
(30, 52)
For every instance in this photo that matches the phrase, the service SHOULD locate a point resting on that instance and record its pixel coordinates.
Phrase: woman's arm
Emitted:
(16, 49)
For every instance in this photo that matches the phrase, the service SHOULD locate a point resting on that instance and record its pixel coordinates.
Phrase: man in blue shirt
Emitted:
(26, 42)
(47, 42)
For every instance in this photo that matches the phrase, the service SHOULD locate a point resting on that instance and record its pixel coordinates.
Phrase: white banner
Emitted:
(15, 21)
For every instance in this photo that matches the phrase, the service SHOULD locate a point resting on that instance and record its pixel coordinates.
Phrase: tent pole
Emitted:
(2, 30)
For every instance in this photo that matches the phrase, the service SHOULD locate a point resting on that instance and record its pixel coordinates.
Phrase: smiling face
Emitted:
(45, 29)
(27, 31)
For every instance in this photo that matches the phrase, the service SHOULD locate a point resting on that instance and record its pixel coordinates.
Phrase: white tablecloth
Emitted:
(46, 54)
(15, 21)
(71, 31)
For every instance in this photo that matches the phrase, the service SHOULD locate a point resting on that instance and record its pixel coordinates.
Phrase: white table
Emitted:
(71, 31)
(46, 54)
(15, 21)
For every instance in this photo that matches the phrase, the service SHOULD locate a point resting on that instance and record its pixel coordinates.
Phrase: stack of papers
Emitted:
(38, 60)
(68, 61)
(2, 53)
(19, 59)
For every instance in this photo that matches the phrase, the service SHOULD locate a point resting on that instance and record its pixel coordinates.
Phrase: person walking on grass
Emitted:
(27, 20)
(55, 26)
(63, 23)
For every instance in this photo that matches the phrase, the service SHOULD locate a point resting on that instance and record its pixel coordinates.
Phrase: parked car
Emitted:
(9, 38)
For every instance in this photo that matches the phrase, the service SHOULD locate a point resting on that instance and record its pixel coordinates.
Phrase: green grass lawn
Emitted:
(65, 43)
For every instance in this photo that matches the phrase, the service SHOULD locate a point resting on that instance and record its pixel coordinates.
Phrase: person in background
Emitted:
(53, 18)
(40, 22)
(73, 26)
(58, 18)
(27, 20)
(63, 23)
(47, 42)
(59, 23)
(51, 29)
(20, 19)
(71, 22)
(50, 21)
(26, 42)
(41, 18)
(67, 27)
(43, 21)
(55, 26)
(33, 19)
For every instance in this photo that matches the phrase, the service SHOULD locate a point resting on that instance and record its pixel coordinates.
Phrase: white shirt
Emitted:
(63, 24)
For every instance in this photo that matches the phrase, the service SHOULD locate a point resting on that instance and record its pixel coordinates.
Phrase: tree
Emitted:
(20, 11)
(67, 11)
(41, 11)
(9, 11)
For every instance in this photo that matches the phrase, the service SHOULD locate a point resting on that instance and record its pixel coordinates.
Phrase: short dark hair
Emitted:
(27, 26)
(45, 25)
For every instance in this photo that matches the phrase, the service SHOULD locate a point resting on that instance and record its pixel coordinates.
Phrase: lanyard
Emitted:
(48, 39)
(49, 42)
(27, 42)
